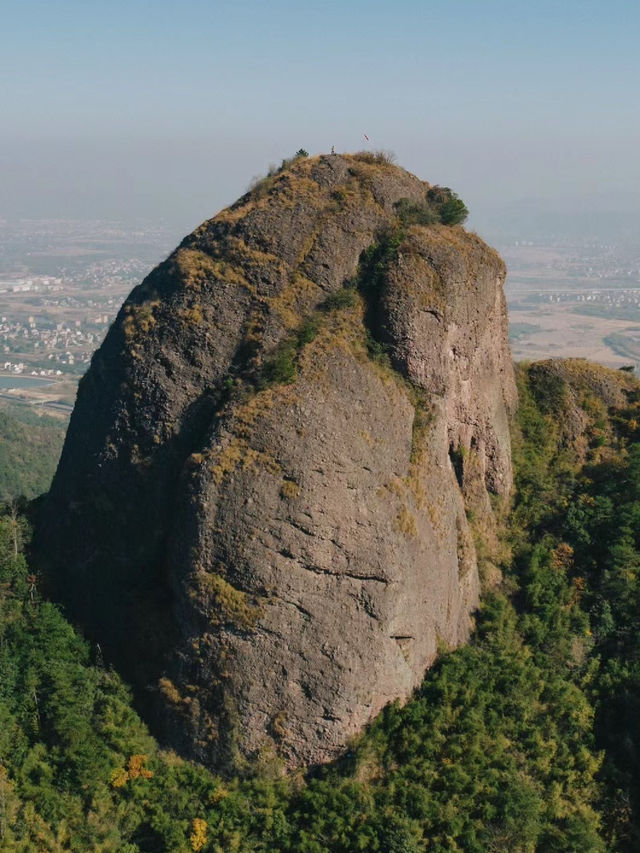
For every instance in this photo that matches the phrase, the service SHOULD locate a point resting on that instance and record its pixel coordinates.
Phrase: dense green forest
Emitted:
(527, 739)
(30, 446)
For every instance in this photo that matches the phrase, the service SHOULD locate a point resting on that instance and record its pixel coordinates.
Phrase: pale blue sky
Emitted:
(165, 109)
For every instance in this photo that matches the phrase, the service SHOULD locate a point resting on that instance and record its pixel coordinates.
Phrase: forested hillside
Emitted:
(524, 740)
(30, 446)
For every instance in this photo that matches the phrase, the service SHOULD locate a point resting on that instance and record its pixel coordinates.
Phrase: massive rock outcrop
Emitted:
(261, 507)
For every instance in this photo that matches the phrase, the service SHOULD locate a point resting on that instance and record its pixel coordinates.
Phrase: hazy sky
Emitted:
(151, 108)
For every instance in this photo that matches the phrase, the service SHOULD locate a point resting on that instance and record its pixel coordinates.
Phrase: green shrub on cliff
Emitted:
(449, 206)
(439, 205)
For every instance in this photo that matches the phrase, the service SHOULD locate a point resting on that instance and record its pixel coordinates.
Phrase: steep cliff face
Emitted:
(261, 507)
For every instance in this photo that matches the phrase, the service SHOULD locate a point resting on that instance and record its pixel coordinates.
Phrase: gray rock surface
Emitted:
(269, 562)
